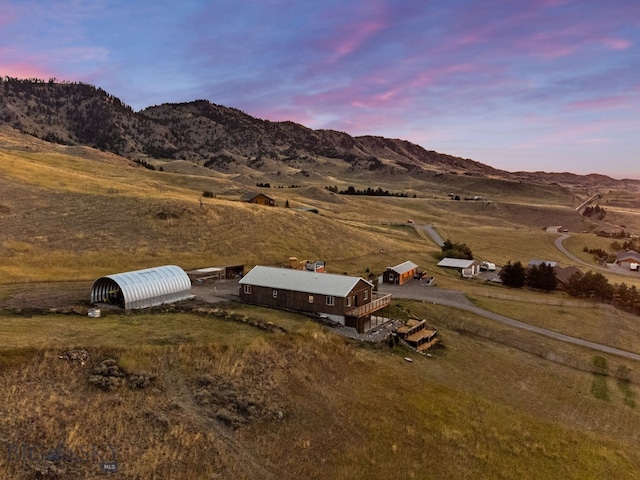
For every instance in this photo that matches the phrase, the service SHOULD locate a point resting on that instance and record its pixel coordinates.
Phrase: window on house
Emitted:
(247, 289)
(366, 294)
(330, 301)
(310, 298)
(275, 294)
(348, 301)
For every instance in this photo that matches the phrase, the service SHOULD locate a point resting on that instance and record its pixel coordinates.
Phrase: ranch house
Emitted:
(349, 301)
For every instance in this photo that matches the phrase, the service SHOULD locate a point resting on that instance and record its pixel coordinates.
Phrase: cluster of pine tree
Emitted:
(456, 250)
(539, 277)
(375, 192)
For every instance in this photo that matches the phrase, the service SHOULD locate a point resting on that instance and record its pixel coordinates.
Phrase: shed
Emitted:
(400, 274)
(468, 268)
(143, 288)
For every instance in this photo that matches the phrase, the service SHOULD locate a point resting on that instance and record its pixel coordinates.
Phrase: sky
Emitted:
(533, 85)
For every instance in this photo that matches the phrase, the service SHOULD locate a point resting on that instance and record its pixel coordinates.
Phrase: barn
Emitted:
(142, 288)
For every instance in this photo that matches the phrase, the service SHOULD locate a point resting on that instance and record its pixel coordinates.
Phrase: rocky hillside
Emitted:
(228, 140)
(211, 135)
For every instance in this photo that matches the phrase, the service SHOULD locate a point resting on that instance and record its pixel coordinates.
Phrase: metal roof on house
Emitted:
(455, 262)
(403, 267)
(628, 255)
(144, 288)
(563, 274)
(537, 263)
(301, 281)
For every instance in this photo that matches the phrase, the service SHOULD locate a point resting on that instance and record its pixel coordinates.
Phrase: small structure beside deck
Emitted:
(417, 335)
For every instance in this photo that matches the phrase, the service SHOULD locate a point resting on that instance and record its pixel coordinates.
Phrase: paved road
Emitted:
(454, 299)
(612, 269)
(435, 236)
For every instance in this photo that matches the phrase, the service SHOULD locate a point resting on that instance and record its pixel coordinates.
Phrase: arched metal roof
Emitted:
(143, 288)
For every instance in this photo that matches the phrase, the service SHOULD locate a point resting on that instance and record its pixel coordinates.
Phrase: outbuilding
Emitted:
(467, 268)
(142, 288)
(400, 274)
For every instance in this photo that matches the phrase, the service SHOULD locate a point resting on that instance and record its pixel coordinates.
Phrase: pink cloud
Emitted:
(603, 103)
(25, 70)
(616, 43)
(355, 38)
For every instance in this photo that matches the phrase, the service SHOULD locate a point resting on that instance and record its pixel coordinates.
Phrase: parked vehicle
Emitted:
(488, 266)
(428, 282)
(634, 266)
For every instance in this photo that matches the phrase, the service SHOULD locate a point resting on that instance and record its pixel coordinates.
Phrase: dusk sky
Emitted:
(549, 85)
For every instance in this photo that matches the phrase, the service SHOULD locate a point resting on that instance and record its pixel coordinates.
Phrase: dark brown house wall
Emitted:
(300, 300)
(292, 300)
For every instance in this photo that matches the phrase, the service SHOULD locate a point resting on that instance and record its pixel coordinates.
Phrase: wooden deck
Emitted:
(373, 306)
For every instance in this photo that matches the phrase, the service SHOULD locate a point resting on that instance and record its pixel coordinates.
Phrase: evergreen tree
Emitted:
(456, 250)
(542, 277)
(513, 275)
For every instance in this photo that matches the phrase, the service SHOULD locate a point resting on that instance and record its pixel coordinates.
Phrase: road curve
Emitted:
(455, 299)
(564, 251)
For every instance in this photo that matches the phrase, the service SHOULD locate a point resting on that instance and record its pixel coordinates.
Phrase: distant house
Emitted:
(625, 259)
(259, 199)
(554, 229)
(400, 274)
(563, 274)
(347, 300)
(467, 268)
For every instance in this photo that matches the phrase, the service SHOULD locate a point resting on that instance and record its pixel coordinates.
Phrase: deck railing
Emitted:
(377, 303)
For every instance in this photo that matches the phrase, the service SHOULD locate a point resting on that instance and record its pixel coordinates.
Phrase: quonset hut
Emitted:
(142, 288)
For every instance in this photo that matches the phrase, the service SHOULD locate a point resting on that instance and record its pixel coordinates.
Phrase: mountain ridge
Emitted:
(226, 139)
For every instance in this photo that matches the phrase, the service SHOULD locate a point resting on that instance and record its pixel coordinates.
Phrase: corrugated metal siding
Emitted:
(145, 288)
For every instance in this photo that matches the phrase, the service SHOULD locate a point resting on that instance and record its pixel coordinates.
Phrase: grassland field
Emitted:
(226, 397)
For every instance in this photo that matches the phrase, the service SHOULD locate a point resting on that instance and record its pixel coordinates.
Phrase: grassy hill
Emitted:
(233, 391)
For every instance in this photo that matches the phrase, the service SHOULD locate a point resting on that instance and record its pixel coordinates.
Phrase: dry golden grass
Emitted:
(348, 411)
(594, 322)
(233, 401)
